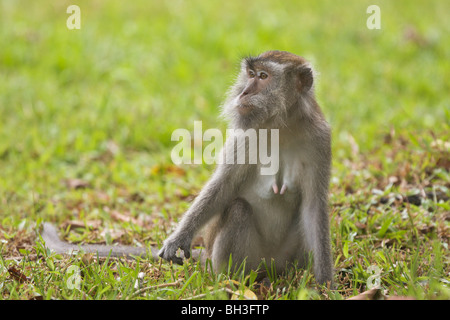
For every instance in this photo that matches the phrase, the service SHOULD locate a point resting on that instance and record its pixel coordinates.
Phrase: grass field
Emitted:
(86, 118)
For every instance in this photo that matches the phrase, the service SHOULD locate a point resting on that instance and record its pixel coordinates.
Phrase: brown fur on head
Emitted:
(282, 57)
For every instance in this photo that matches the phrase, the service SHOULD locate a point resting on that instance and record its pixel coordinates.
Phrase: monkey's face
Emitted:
(265, 90)
(256, 82)
(256, 97)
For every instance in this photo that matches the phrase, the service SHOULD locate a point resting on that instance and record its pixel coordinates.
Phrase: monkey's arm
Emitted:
(212, 200)
(50, 236)
(219, 191)
(315, 217)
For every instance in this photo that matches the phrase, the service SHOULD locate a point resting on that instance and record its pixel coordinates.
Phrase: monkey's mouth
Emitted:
(244, 109)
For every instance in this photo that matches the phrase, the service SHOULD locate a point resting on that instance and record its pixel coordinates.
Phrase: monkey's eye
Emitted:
(251, 73)
(263, 75)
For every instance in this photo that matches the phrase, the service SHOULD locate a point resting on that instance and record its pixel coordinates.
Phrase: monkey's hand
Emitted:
(172, 244)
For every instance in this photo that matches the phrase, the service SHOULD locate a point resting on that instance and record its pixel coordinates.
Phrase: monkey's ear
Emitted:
(305, 79)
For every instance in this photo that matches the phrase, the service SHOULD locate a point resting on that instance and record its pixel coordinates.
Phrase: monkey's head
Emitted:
(270, 88)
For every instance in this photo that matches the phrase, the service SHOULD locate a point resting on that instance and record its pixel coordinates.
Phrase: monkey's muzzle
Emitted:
(245, 109)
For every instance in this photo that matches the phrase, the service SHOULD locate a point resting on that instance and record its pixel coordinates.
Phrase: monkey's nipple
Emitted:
(275, 188)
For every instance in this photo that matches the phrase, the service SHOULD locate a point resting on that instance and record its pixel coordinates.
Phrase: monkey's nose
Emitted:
(243, 94)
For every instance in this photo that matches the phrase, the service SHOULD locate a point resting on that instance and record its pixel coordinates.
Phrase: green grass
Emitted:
(99, 104)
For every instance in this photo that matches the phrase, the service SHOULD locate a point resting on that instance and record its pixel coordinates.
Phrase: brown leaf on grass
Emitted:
(399, 298)
(95, 224)
(426, 229)
(443, 231)
(17, 275)
(376, 294)
(116, 215)
(136, 197)
(389, 137)
(444, 162)
(107, 153)
(169, 169)
(412, 35)
(447, 216)
(113, 233)
(77, 184)
(175, 170)
(245, 293)
(100, 197)
(372, 294)
(360, 225)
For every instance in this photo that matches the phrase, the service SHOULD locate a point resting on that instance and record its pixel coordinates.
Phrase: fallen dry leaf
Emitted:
(360, 225)
(114, 234)
(376, 294)
(17, 275)
(399, 298)
(411, 34)
(372, 294)
(95, 224)
(237, 294)
(175, 170)
(116, 215)
(247, 294)
(77, 184)
(169, 169)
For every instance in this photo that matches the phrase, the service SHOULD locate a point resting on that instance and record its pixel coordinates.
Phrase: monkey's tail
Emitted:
(52, 241)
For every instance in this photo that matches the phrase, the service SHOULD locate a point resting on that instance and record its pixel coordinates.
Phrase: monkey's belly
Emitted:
(274, 228)
(274, 213)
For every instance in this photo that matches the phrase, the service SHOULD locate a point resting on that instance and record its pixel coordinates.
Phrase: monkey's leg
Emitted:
(316, 230)
(238, 237)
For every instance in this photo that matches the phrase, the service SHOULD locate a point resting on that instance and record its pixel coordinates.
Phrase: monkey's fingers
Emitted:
(170, 257)
(283, 189)
(187, 253)
(176, 260)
